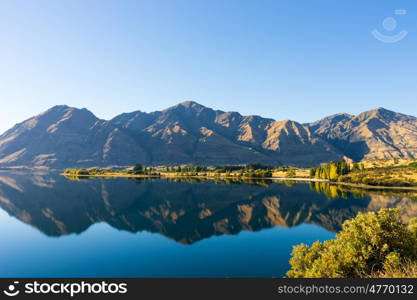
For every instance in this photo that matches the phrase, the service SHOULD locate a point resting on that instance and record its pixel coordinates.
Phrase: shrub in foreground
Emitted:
(408, 269)
(368, 244)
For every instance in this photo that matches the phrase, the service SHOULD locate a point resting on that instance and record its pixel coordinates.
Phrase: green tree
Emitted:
(356, 167)
(137, 169)
(313, 172)
(290, 173)
(333, 172)
(83, 172)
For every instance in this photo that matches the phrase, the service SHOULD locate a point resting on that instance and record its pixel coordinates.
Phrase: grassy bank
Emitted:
(405, 176)
(388, 174)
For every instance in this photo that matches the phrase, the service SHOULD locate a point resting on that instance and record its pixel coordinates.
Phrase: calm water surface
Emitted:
(53, 226)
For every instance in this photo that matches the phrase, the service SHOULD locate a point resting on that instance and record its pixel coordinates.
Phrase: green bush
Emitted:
(137, 169)
(290, 173)
(83, 172)
(413, 165)
(368, 243)
(407, 269)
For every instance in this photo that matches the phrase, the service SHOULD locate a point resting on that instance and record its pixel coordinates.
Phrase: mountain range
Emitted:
(190, 133)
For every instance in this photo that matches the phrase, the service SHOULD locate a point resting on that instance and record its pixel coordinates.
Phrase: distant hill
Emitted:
(190, 133)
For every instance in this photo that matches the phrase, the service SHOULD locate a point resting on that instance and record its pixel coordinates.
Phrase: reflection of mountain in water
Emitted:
(186, 212)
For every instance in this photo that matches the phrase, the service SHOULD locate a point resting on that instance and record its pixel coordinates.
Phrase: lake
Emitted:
(53, 226)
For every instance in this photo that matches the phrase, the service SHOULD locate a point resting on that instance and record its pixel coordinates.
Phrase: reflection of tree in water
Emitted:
(331, 191)
(340, 191)
(186, 209)
(191, 179)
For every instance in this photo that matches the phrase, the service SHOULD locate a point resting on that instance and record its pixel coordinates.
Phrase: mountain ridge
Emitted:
(191, 133)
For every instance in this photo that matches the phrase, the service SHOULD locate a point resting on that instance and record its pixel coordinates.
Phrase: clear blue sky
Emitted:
(292, 59)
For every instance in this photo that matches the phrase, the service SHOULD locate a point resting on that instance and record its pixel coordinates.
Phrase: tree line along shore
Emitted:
(247, 171)
(381, 173)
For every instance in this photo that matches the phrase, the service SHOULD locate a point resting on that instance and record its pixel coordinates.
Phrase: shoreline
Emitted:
(356, 185)
(301, 179)
(114, 175)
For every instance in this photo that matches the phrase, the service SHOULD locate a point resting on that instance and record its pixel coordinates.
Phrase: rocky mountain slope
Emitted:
(375, 134)
(65, 136)
(190, 133)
